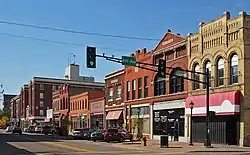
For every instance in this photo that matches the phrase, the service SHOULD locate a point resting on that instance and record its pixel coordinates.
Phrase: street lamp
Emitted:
(191, 106)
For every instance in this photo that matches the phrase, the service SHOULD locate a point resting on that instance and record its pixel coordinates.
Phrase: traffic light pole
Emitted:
(207, 141)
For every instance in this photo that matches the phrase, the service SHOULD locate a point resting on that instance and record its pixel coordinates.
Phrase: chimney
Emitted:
(132, 55)
(201, 23)
(242, 13)
(189, 34)
(137, 52)
(169, 30)
(227, 14)
(178, 34)
(144, 50)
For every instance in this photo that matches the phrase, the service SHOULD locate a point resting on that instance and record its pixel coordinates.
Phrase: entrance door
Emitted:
(232, 135)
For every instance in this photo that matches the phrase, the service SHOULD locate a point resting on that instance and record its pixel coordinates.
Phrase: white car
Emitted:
(38, 129)
(9, 129)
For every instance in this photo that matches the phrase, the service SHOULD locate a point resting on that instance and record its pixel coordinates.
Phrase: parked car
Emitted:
(9, 129)
(49, 130)
(113, 135)
(38, 129)
(17, 130)
(79, 133)
(87, 136)
(126, 135)
(31, 129)
(97, 135)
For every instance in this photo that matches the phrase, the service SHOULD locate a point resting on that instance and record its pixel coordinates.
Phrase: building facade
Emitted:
(221, 46)
(23, 105)
(96, 108)
(168, 104)
(137, 93)
(114, 99)
(15, 115)
(79, 114)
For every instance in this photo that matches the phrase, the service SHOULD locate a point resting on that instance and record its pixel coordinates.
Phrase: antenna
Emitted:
(70, 58)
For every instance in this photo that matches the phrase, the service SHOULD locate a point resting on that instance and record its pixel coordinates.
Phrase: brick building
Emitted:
(96, 109)
(221, 46)
(137, 91)
(79, 108)
(168, 104)
(14, 114)
(23, 104)
(114, 99)
(61, 98)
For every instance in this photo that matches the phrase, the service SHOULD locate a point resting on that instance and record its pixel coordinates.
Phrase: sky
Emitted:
(22, 59)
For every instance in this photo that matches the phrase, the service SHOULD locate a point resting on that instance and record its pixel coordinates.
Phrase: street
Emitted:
(35, 144)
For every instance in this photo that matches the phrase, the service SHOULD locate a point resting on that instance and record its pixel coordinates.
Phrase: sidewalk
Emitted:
(179, 147)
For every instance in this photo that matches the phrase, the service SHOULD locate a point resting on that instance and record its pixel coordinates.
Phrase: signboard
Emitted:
(128, 61)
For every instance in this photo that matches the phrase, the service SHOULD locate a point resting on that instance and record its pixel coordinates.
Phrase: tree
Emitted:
(4, 121)
(136, 123)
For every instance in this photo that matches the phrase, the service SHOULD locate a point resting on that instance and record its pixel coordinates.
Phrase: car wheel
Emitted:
(94, 140)
(121, 139)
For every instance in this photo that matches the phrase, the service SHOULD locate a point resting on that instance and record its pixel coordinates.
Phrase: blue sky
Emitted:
(22, 59)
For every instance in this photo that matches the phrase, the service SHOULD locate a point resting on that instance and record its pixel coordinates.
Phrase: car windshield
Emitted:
(112, 130)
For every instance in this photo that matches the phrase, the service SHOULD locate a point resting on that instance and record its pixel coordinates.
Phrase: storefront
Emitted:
(224, 123)
(115, 119)
(96, 113)
(168, 118)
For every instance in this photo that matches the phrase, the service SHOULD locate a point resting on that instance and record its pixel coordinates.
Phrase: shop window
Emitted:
(234, 73)
(41, 87)
(146, 86)
(159, 86)
(196, 76)
(207, 66)
(118, 93)
(110, 96)
(141, 110)
(41, 112)
(176, 83)
(220, 72)
(139, 88)
(41, 95)
(133, 89)
(128, 90)
(41, 103)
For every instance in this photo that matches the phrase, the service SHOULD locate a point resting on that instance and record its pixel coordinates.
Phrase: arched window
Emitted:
(234, 73)
(207, 66)
(220, 72)
(159, 86)
(176, 83)
(196, 76)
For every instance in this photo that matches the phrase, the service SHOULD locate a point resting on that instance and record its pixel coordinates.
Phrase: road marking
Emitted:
(67, 146)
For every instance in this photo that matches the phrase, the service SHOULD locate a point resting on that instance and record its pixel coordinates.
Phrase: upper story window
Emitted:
(41, 95)
(41, 87)
(159, 86)
(110, 94)
(207, 66)
(146, 86)
(119, 93)
(139, 88)
(220, 72)
(234, 72)
(196, 76)
(128, 90)
(176, 83)
(133, 89)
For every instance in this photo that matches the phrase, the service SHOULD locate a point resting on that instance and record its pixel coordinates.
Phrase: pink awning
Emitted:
(113, 115)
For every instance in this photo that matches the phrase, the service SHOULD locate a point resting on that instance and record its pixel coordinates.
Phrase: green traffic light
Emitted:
(91, 63)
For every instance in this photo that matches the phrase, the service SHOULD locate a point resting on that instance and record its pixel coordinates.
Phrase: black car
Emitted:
(98, 135)
(49, 130)
(17, 130)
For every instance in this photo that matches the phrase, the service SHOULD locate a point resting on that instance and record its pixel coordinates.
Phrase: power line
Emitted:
(77, 32)
(54, 41)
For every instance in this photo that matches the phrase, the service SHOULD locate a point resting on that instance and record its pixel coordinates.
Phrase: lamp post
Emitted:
(138, 117)
(191, 106)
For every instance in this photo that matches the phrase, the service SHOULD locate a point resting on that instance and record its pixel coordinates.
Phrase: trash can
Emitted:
(164, 141)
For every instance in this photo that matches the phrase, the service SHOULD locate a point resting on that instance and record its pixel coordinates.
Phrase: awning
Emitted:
(113, 115)
(226, 103)
(46, 120)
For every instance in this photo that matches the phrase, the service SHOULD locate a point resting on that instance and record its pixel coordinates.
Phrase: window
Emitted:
(41, 87)
(196, 76)
(176, 83)
(41, 95)
(118, 93)
(220, 72)
(133, 89)
(41, 112)
(142, 111)
(128, 90)
(159, 86)
(207, 66)
(110, 94)
(140, 88)
(146, 86)
(234, 73)
(41, 103)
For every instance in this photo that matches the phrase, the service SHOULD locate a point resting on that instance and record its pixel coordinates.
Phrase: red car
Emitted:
(117, 135)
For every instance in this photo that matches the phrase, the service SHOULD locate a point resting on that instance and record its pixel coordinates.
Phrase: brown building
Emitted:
(79, 113)
(96, 108)
(222, 47)
(61, 98)
(15, 115)
(114, 105)
(23, 104)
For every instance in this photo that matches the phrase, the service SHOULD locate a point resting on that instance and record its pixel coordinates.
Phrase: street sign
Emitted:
(128, 61)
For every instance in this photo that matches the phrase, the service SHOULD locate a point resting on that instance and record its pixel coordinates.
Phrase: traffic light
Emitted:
(162, 68)
(91, 57)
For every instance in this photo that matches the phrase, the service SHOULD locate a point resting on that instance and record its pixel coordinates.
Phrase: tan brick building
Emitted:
(222, 46)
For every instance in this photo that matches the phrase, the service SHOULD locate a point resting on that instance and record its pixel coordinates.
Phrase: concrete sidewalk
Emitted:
(179, 147)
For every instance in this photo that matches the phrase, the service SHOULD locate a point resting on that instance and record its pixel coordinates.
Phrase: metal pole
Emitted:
(207, 140)
(191, 127)
(138, 115)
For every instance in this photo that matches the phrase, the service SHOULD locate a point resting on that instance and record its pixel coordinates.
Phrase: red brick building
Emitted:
(80, 108)
(23, 104)
(114, 96)
(96, 109)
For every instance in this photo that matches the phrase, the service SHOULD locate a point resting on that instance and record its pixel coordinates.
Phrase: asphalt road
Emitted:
(34, 144)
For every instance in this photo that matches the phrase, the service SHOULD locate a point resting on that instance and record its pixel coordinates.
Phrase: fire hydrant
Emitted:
(145, 140)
